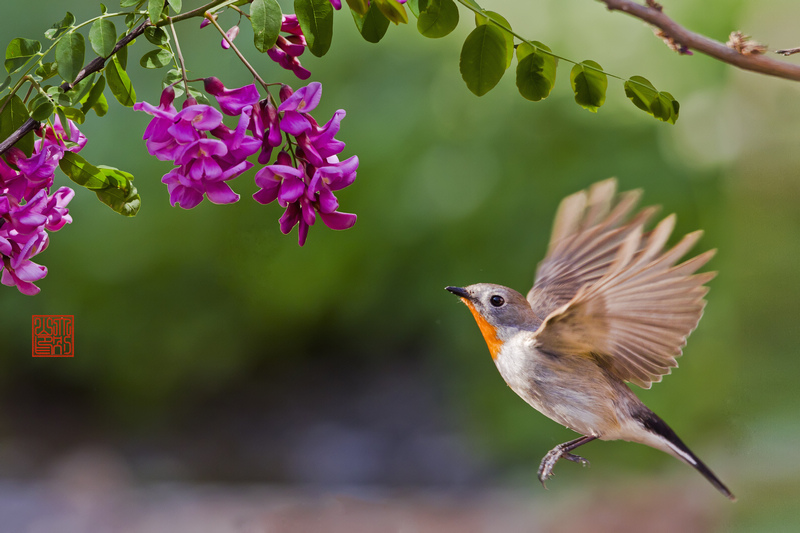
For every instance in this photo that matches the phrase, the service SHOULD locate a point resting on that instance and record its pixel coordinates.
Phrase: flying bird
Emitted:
(609, 305)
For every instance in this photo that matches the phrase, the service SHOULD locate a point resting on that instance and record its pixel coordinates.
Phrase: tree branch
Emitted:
(27, 127)
(756, 63)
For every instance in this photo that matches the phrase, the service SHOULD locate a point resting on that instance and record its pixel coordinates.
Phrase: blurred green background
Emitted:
(211, 348)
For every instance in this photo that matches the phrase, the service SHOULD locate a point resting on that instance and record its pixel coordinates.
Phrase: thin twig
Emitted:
(788, 51)
(180, 58)
(238, 53)
(701, 43)
(27, 127)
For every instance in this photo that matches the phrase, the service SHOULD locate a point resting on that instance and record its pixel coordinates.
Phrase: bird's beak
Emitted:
(459, 291)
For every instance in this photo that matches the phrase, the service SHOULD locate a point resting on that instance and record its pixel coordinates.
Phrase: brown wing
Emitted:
(636, 318)
(588, 231)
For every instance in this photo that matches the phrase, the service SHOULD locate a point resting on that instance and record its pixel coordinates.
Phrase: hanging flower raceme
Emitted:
(306, 188)
(208, 153)
(288, 49)
(28, 210)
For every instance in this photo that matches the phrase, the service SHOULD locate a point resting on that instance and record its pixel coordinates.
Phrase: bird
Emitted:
(609, 306)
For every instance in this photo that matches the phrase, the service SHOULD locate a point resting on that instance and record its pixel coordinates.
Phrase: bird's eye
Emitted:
(496, 300)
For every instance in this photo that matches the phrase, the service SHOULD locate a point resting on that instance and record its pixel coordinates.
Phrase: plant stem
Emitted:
(180, 57)
(238, 53)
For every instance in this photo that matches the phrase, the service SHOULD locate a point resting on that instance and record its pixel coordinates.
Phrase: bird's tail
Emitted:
(675, 446)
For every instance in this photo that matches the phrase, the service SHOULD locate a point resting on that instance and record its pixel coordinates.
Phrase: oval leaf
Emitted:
(70, 51)
(371, 26)
(265, 16)
(437, 18)
(360, 6)
(490, 17)
(60, 27)
(393, 10)
(120, 194)
(82, 172)
(177, 5)
(94, 95)
(483, 58)
(156, 35)
(19, 51)
(154, 9)
(589, 84)
(644, 95)
(316, 21)
(536, 71)
(120, 83)
(13, 116)
(156, 58)
(103, 37)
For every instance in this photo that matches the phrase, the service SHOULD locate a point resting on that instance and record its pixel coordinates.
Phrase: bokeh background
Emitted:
(228, 380)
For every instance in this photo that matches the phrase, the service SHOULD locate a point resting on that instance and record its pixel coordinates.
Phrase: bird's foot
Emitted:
(559, 452)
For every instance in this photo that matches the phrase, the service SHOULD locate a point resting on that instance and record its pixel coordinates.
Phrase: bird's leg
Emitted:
(559, 452)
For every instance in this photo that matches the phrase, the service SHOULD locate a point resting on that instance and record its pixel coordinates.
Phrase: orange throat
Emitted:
(488, 330)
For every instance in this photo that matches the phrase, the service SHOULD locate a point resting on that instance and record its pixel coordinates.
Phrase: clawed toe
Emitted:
(561, 451)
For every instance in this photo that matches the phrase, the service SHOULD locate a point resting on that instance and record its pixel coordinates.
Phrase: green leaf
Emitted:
(5, 84)
(473, 4)
(359, 6)
(157, 58)
(120, 195)
(103, 37)
(392, 10)
(94, 95)
(60, 27)
(130, 20)
(129, 3)
(46, 70)
(371, 26)
(490, 17)
(122, 53)
(82, 172)
(41, 108)
(60, 97)
(120, 83)
(199, 96)
(80, 90)
(157, 36)
(101, 107)
(265, 16)
(19, 51)
(644, 95)
(413, 6)
(483, 58)
(13, 116)
(74, 114)
(536, 71)
(316, 21)
(176, 5)
(589, 85)
(170, 78)
(438, 18)
(154, 10)
(69, 55)
(62, 117)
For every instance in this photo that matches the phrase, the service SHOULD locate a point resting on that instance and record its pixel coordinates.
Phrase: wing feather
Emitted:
(609, 290)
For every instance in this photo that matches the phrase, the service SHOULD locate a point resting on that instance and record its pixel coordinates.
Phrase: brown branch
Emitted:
(27, 127)
(788, 51)
(97, 64)
(701, 43)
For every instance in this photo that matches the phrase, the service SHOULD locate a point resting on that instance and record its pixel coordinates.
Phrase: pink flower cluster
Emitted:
(207, 153)
(28, 210)
(306, 188)
(288, 49)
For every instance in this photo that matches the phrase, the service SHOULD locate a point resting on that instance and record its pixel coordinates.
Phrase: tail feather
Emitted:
(655, 425)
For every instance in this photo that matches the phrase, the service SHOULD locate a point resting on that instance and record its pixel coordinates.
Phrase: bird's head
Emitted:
(499, 311)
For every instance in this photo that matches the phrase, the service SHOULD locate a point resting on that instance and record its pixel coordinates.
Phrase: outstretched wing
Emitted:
(588, 231)
(635, 318)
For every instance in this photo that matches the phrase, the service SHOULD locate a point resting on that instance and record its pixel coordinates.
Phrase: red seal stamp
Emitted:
(53, 335)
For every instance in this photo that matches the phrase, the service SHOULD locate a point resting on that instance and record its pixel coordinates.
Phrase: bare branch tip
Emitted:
(788, 51)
